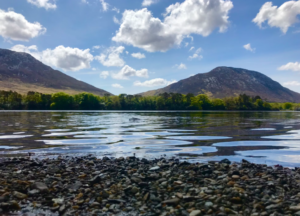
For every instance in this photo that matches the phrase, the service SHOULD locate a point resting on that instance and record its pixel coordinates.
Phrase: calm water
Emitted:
(262, 137)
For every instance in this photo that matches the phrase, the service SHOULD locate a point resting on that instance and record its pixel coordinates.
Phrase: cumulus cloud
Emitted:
(116, 9)
(292, 83)
(32, 50)
(138, 55)
(67, 58)
(281, 17)
(146, 3)
(15, 26)
(111, 57)
(140, 29)
(249, 48)
(293, 66)
(191, 49)
(181, 66)
(105, 5)
(22, 48)
(116, 20)
(127, 72)
(196, 54)
(47, 4)
(104, 74)
(116, 85)
(154, 82)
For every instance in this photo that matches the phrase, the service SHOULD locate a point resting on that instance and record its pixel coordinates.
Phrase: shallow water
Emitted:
(261, 137)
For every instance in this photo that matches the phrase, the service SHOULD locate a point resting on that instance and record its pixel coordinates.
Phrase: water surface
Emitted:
(261, 137)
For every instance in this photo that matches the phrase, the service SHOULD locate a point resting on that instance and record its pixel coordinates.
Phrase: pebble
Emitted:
(195, 213)
(88, 185)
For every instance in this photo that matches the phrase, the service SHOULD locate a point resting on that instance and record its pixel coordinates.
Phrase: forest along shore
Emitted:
(10, 100)
(133, 186)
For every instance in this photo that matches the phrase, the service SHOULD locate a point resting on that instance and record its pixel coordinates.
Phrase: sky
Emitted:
(133, 46)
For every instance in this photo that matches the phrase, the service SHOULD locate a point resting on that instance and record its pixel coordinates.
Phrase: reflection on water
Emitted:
(262, 137)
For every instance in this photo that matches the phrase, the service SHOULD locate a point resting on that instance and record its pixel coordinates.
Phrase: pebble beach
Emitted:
(138, 186)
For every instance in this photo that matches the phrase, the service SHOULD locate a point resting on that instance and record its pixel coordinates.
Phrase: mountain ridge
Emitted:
(224, 82)
(21, 72)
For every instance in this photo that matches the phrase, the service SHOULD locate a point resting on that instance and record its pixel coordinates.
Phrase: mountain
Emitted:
(21, 72)
(224, 82)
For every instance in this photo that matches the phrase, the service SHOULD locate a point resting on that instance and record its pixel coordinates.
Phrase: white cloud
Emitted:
(116, 85)
(181, 66)
(281, 17)
(94, 69)
(138, 55)
(116, 9)
(84, 1)
(104, 74)
(186, 44)
(96, 47)
(105, 5)
(196, 54)
(154, 82)
(127, 72)
(15, 26)
(140, 29)
(67, 58)
(116, 20)
(32, 50)
(191, 49)
(22, 48)
(292, 83)
(111, 57)
(249, 48)
(293, 66)
(146, 3)
(47, 4)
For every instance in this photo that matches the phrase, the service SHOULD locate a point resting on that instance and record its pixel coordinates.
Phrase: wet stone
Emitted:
(128, 187)
(42, 187)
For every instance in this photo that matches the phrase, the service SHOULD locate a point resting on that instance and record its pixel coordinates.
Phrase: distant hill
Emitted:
(224, 82)
(21, 72)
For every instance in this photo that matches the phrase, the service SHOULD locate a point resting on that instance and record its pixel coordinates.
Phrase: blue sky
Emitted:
(131, 46)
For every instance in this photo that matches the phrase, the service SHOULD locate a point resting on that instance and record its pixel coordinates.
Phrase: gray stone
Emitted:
(154, 168)
(174, 201)
(40, 186)
(195, 213)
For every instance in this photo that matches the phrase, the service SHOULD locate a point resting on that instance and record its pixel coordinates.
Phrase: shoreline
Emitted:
(132, 186)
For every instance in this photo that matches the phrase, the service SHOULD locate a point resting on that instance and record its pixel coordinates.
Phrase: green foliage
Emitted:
(61, 101)
(287, 106)
(167, 101)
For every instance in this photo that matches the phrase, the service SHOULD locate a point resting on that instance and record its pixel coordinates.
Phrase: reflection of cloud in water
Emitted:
(58, 130)
(10, 147)
(199, 137)
(16, 133)
(287, 156)
(263, 129)
(122, 149)
(14, 136)
(258, 143)
(291, 135)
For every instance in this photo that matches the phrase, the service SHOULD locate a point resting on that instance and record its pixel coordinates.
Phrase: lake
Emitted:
(260, 137)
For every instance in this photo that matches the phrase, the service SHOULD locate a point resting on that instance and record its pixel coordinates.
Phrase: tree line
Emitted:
(10, 100)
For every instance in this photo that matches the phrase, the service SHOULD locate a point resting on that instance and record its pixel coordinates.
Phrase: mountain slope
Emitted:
(22, 73)
(224, 82)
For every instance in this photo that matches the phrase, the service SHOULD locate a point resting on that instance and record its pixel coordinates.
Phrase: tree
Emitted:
(287, 106)
(61, 101)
